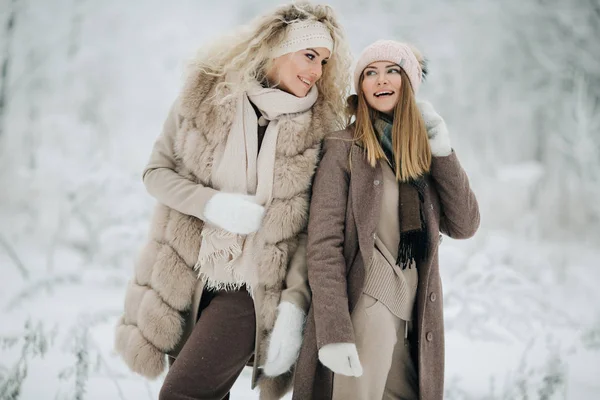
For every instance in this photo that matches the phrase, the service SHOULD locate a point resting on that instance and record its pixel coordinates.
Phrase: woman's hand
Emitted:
(285, 340)
(234, 212)
(439, 139)
(341, 358)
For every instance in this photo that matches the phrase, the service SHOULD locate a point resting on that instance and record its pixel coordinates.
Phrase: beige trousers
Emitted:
(384, 352)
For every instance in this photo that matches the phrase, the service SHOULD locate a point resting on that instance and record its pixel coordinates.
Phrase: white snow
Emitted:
(89, 84)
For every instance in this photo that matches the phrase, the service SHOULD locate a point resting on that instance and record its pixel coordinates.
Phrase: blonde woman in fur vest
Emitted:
(223, 279)
(385, 189)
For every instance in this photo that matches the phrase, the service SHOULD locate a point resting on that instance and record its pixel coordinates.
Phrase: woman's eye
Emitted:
(310, 56)
(394, 70)
(323, 62)
(370, 73)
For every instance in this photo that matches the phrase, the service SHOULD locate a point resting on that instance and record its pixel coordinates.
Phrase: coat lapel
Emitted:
(367, 188)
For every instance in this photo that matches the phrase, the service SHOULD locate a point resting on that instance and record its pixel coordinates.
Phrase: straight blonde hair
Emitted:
(410, 145)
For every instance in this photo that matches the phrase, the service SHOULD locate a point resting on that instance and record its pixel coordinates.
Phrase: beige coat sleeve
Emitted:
(165, 184)
(297, 290)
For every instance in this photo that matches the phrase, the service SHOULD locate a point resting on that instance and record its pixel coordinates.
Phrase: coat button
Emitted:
(441, 238)
(432, 296)
(429, 336)
(376, 182)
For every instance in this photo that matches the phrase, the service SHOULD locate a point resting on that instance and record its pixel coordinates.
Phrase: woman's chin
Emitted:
(300, 92)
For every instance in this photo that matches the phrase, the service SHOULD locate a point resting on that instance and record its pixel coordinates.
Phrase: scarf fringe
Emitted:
(228, 255)
(412, 248)
(223, 257)
(211, 284)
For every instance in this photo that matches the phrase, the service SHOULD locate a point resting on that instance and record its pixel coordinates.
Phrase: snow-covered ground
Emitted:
(522, 320)
(89, 83)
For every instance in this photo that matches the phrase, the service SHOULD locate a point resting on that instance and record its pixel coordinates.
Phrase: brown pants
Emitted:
(216, 352)
(385, 354)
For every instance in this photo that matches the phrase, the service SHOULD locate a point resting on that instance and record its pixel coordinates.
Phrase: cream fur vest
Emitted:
(161, 292)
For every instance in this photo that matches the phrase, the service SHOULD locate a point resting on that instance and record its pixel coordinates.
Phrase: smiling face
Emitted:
(296, 73)
(381, 83)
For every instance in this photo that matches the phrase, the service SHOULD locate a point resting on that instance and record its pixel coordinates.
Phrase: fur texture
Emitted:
(162, 289)
(285, 340)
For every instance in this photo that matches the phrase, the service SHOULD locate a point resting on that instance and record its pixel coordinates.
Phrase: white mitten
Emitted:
(234, 212)
(439, 139)
(341, 358)
(286, 339)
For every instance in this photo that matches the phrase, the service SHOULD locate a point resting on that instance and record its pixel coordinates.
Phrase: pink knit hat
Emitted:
(396, 52)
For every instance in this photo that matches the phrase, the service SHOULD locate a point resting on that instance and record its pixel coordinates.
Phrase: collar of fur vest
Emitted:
(197, 99)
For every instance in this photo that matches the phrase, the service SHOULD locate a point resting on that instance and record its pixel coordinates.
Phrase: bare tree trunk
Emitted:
(8, 35)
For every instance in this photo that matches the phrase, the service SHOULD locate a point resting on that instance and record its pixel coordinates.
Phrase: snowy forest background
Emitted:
(86, 84)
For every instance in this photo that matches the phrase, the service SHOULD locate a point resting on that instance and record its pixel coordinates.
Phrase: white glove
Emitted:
(286, 339)
(234, 212)
(341, 358)
(439, 139)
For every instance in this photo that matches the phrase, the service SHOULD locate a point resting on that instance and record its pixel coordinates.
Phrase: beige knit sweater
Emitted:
(387, 282)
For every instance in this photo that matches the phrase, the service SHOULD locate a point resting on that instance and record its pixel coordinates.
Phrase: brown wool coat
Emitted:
(344, 211)
(162, 299)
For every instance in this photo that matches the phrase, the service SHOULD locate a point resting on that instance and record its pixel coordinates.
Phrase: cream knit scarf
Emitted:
(225, 260)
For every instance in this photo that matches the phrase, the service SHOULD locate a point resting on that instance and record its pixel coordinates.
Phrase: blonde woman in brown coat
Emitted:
(223, 279)
(385, 189)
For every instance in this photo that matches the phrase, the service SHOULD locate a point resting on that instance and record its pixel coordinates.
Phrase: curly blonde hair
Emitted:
(247, 53)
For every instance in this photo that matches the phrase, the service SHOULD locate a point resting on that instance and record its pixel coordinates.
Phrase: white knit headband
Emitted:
(304, 35)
